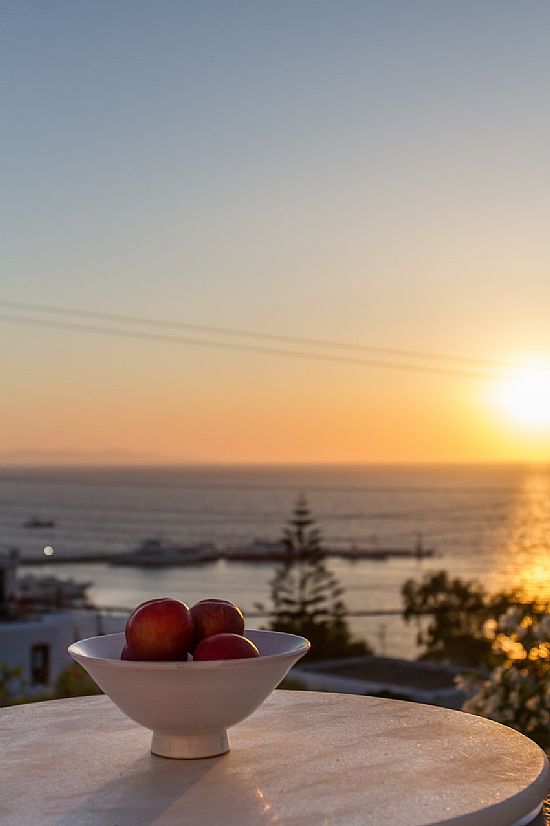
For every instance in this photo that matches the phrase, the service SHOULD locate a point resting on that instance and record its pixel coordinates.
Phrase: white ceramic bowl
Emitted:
(189, 705)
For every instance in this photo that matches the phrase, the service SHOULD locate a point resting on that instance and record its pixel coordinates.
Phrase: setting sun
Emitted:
(524, 397)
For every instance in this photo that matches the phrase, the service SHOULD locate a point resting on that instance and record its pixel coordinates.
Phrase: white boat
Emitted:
(50, 590)
(35, 522)
(158, 552)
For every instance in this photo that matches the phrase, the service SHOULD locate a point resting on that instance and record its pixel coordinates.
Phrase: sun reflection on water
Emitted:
(525, 559)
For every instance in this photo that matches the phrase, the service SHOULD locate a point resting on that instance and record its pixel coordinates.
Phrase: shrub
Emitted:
(517, 692)
(74, 681)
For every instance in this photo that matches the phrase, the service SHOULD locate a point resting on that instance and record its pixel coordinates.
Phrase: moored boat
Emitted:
(35, 522)
(158, 553)
(50, 590)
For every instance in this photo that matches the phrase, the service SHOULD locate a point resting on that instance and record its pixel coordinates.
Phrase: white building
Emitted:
(421, 682)
(38, 645)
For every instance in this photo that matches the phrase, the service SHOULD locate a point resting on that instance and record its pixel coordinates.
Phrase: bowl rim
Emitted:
(164, 665)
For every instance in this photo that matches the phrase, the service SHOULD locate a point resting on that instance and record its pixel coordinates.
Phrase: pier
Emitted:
(352, 554)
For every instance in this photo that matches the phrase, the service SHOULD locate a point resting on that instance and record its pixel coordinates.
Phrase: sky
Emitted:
(374, 173)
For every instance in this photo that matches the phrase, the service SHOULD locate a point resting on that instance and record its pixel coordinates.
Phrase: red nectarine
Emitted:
(161, 629)
(225, 647)
(216, 617)
(127, 653)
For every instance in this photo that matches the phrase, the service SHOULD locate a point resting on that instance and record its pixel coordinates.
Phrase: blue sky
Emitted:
(372, 172)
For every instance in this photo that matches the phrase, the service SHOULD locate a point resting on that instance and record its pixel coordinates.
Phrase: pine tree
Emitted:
(306, 596)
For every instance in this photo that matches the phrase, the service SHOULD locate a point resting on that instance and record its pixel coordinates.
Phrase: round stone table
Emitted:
(303, 759)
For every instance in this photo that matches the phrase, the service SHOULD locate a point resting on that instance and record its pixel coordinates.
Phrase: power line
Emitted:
(239, 333)
(247, 348)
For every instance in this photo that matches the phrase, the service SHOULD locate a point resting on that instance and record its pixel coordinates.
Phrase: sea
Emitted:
(489, 523)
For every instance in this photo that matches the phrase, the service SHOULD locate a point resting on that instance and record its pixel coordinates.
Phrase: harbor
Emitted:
(159, 553)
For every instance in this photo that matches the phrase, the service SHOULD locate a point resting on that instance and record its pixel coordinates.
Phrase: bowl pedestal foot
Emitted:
(190, 746)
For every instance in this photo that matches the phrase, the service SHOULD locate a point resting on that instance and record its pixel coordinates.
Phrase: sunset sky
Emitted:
(373, 173)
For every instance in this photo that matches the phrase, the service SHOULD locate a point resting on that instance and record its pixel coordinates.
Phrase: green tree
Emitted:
(306, 596)
(458, 611)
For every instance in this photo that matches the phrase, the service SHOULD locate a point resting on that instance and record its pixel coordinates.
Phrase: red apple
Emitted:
(225, 647)
(161, 629)
(216, 616)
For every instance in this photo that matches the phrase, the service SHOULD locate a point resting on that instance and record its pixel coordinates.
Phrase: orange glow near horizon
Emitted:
(260, 412)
